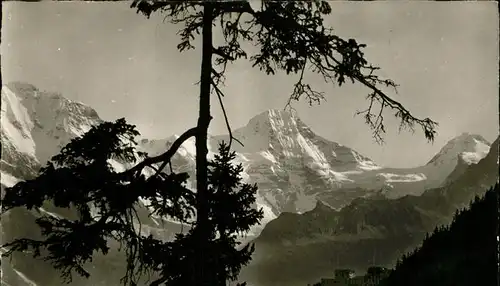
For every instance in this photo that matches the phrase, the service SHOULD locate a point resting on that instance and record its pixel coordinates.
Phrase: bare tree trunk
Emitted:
(202, 229)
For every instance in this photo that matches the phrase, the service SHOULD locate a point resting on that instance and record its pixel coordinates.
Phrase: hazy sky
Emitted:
(444, 55)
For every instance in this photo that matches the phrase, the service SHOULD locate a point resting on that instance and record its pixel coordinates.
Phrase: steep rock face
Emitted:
(39, 123)
(291, 164)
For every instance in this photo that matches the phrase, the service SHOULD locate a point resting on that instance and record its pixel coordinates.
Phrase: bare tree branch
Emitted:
(219, 96)
(165, 157)
(296, 41)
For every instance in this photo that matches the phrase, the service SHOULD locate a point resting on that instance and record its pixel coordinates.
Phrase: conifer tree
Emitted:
(81, 178)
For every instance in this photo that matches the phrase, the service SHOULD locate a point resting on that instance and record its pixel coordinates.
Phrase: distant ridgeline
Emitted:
(462, 254)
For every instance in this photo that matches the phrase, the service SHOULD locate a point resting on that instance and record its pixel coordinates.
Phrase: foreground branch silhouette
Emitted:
(289, 36)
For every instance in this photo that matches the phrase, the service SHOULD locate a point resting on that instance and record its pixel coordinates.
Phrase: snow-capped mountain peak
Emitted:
(276, 119)
(43, 106)
(268, 130)
(469, 147)
(38, 123)
(282, 134)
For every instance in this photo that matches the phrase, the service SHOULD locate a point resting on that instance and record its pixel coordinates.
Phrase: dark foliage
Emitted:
(80, 177)
(464, 253)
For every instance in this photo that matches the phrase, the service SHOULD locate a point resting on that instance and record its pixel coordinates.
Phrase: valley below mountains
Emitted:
(325, 205)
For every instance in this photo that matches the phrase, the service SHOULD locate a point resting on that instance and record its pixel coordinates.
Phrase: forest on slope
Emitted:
(463, 253)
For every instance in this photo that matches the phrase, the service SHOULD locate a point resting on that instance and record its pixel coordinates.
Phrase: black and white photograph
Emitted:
(249, 143)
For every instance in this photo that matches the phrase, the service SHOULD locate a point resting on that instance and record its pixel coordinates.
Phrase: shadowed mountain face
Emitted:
(296, 249)
(293, 167)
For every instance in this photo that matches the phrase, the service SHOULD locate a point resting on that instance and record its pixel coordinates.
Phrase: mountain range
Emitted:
(299, 173)
(296, 249)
